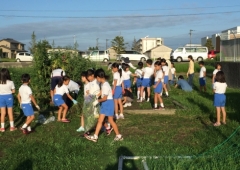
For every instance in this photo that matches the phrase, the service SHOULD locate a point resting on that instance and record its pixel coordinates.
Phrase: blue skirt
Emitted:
(146, 82)
(127, 84)
(139, 82)
(219, 100)
(58, 100)
(107, 108)
(158, 89)
(165, 79)
(117, 93)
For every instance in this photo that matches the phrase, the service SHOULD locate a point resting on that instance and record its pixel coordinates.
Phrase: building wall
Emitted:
(112, 54)
(161, 51)
(5, 43)
(149, 43)
(204, 40)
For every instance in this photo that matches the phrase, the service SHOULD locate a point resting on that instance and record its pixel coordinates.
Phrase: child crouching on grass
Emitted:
(219, 97)
(107, 107)
(24, 98)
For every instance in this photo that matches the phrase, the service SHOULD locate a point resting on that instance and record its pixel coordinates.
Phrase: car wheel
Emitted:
(199, 59)
(18, 60)
(179, 59)
(143, 59)
(105, 60)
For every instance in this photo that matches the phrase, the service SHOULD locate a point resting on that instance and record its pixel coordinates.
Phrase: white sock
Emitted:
(166, 93)
(161, 94)
(108, 126)
(155, 105)
(2, 125)
(144, 94)
(138, 94)
(141, 98)
(119, 135)
(29, 128)
(121, 114)
(162, 105)
(12, 123)
(95, 136)
(24, 126)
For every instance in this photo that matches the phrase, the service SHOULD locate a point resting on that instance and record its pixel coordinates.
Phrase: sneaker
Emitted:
(121, 116)
(125, 105)
(25, 131)
(108, 131)
(148, 100)
(91, 138)
(118, 138)
(116, 116)
(2, 129)
(129, 104)
(81, 129)
(13, 129)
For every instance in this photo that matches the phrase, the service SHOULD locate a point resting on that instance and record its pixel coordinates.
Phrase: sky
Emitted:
(89, 22)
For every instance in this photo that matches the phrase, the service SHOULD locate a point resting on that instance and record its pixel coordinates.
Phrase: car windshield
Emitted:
(179, 49)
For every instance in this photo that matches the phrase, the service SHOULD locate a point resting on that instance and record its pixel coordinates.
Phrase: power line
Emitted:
(129, 16)
(108, 10)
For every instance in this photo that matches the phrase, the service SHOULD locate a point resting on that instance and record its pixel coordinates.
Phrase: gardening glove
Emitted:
(74, 101)
(37, 107)
(95, 103)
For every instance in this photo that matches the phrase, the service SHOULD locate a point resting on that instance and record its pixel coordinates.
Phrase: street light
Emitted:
(190, 33)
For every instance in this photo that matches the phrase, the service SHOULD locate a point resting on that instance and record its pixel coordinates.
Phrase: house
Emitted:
(147, 43)
(112, 53)
(10, 48)
(159, 51)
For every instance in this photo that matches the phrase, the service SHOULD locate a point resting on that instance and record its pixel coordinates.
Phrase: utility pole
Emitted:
(107, 44)
(190, 33)
(97, 42)
(73, 39)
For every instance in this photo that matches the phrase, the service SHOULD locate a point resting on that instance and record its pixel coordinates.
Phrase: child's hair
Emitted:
(201, 62)
(116, 65)
(220, 77)
(90, 72)
(157, 63)
(180, 77)
(190, 57)
(101, 73)
(159, 59)
(5, 75)
(149, 61)
(173, 65)
(25, 78)
(140, 65)
(163, 60)
(64, 78)
(216, 65)
(109, 63)
(125, 66)
(84, 74)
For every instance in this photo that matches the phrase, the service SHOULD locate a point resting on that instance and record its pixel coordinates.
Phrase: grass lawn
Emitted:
(189, 132)
(7, 59)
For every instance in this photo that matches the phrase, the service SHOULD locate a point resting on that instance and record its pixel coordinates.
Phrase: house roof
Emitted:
(157, 47)
(11, 40)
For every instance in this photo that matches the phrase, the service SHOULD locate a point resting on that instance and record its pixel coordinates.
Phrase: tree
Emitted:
(209, 44)
(32, 43)
(118, 44)
(92, 48)
(135, 46)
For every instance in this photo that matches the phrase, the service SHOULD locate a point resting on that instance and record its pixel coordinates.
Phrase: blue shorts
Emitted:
(58, 100)
(158, 89)
(27, 109)
(117, 93)
(219, 100)
(146, 82)
(127, 84)
(139, 82)
(202, 82)
(165, 79)
(6, 100)
(107, 108)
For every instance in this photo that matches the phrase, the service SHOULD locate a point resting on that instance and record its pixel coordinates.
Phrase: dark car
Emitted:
(212, 54)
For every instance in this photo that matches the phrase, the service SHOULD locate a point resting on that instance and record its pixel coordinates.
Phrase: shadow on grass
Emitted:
(27, 165)
(127, 164)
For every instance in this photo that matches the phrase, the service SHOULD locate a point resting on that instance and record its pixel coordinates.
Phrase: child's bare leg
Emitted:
(148, 91)
(65, 109)
(10, 114)
(141, 93)
(82, 121)
(224, 115)
(160, 98)
(155, 100)
(113, 124)
(29, 119)
(99, 124)
(218, 115)
(120, 105)
(3, 113)
(60, 113)
(116, 106)
(138, 92)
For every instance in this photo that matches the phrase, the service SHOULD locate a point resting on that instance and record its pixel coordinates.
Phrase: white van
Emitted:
(182, 53)
(97, 55)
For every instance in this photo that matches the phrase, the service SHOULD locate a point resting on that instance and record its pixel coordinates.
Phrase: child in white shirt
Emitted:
(202, 76)
(165, 72)
(158, 74)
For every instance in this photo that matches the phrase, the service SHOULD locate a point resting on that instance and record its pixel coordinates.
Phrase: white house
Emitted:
(159, 51)
(147, 43)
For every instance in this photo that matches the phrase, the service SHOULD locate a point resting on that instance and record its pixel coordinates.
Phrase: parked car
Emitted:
(24, 57)
(182, 53)
(133, 56)
(212, 54)
(97, 55)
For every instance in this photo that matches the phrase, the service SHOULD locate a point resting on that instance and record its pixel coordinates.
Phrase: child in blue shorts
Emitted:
(107, 107)
(138, 79)
(6, 98)
(165, 69)
(202, 76)
(158, 74)
(219, 97)
(117, 90)
(25, 98)
(126, 76)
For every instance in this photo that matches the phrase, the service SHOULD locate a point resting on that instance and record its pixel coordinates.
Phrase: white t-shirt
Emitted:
(173, 70)
(72, 86)
(58, 73)
(220, 88)
(202, 70)
(126, 75)
(94, 88)
(25, 93)
(215, 71)
(61, 90)
(106, 90)
(139, 72)
(165, 70)
(7, 88)
(159, 75)
(86, 88)
(148, 72)
(116, 76)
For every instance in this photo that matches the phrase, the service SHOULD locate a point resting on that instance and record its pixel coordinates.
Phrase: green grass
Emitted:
(7, 59)
(189, 132)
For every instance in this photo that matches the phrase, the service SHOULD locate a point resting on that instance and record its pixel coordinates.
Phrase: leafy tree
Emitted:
(135, 45)
(209, 44)
(93, 48)
(32, 43)
(118, 44)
